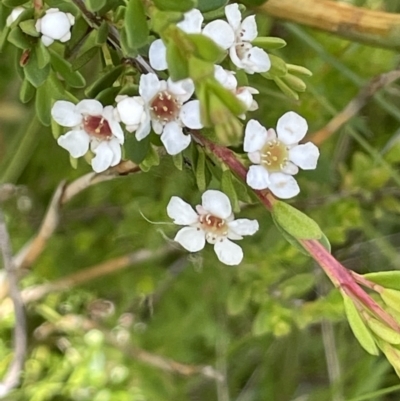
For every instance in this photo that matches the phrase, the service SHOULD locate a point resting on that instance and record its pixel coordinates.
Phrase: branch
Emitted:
(63, 194)
(13, 374)
(355, 23)
(355, 105)
(90, 273)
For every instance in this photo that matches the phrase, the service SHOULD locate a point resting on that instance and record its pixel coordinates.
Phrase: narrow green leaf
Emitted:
(19, 39)
(177, 62)
(389, 279)
(209, 5)
(26, 92)
(13, 3)
(42, 54)
(84, 58)
(206, 49)
(108, 95)
(358, 327)
(294, 222)
(3, 37)
(105, 81)
(268, 42)
(43, 104)
(102, 33)
(64, 68)
(201, 170)
(95, 5)
(136, 28)
(298, 69)
(391, 298)
(384, 332)
(173, 5)
(296, 83)
(152, 159)
(136, 150)
(228, 188)
(226, 96)
(278, 66)
(28, 27)
(178, 161)
(285, 89)
(35, 75)
(56, 129)
(73, 162)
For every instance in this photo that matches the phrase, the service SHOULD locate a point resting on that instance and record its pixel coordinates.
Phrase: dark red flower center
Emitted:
(97, 126)
(165, 107)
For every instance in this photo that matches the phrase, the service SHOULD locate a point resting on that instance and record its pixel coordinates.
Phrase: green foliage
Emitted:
(136, 29)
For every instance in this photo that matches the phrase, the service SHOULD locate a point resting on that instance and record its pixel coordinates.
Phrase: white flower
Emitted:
(55, 25)
(166, 108)
(15, 13)
(217, 30)
(132, 112)
(244, 93)
(213, 222)
(278, 155)
(242, 53)
(92, 126)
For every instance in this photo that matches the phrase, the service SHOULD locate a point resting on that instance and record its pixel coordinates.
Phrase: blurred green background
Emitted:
(272, 327)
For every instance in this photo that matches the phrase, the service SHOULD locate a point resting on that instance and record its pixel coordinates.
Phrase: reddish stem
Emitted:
(338, 274)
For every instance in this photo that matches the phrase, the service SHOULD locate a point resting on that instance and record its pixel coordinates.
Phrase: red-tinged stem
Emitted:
(341, 277)
(366, 283)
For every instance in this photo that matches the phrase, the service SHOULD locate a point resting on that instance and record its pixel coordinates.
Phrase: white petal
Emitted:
(90, 107)
(257, 60)
(254, 157)
(158, 55)
(235, 57)
(115, 147)
(192, 21)
(181, 212)
(233, 15)
(76, 142)
(305, 156)
(290, 168)
(174, 139)
(158, 126)
(190, 114)
(257, 177)
(226, 78)
(183, 88)
(104, 157)
(283, 186)
(15, 13)
(55, 24)
(245, 97)
(192, 239)
(221, 33)
(248, 29)
(244, 226)
(255, 136)
(65, 114)
(130, 110)
(47, 41)
(149, 85)
(228, 252)
(66, 37)
(291, 128)
(108, 114)
(144, 128)
(216, 203)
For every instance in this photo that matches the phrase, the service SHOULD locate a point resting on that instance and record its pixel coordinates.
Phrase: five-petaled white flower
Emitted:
(242, 53)
(244, 93)
(278, 155)
(218, 30)
(214, 223)
(166, 107)
(55, 25)
(15, 13)
(92, 126)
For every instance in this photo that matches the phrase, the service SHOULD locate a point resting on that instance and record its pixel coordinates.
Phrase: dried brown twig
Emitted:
(355, 105)
(13, 374)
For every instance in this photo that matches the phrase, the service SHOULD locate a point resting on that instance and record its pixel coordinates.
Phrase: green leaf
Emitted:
(28, 27)
(209, 5)
(391, 298)
(177, 62)
(3, 37)
(228, 188)
(262, 323)
(42, 54)
(57, 89)
(64, 68)
(298, 69)
(26, 92)
(108, 95)
(297, 285)
(136, 150)
(296, 83)
(152, 159)
(102, 33)
(205, 48)
(201, 170)
(285, 89)
(56, 129)
(294, 222)
(384, 332)
(229, 99)
(136, 28)
(178, 161)
(43, 104)
(18, 38)
(324, 241)
(95, 5)
(84, 58)
(105, 81)
(358, 327)
(389, 279)
(278, 67)
(238, 298)
(13, 3)
(35, 75)
(174, 5)
(268, 42)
